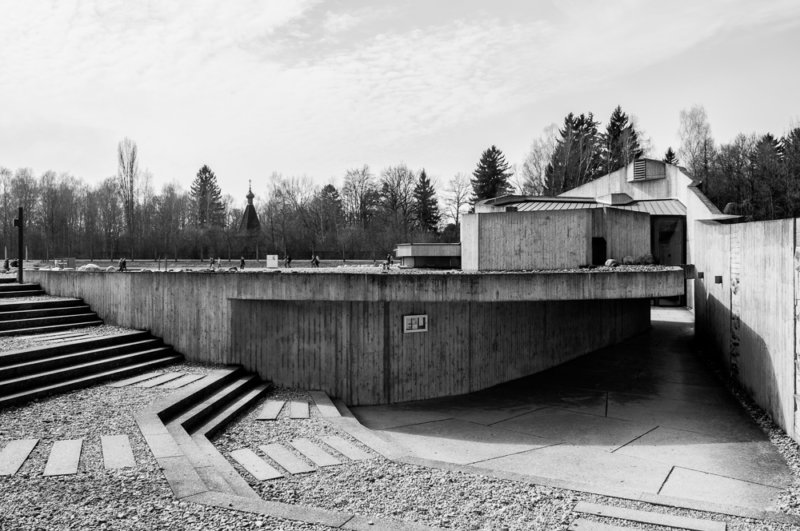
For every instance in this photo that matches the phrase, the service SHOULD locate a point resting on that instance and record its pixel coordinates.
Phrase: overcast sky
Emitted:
(305, 87)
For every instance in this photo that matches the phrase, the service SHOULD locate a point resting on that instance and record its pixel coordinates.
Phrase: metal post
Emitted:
(20, 246)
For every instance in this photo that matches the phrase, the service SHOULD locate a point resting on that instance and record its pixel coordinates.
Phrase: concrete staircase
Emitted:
(30, 373)
(177, 431)
(37, 317)
(9, 288)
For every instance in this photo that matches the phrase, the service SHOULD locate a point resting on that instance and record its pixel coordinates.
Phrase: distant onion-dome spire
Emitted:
(250, 221)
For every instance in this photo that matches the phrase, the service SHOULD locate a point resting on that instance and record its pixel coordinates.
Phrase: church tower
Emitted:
(250, 227)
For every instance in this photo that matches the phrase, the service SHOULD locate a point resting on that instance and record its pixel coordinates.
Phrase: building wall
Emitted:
(339, 332)
(627, 232)
(749, 318)
(470, 242)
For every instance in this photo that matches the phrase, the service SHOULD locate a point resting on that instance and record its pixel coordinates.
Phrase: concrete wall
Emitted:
(627, 232)
(358, 351)
(749, 318)
(470, 242)
(314, 329)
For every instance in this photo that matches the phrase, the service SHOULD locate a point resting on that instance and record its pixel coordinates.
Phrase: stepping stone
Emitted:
(324, 404)
(346, 448)
(135, 379)
(271, 410)
(582, 524)
(298, 409)
(286, 459)
(257, 467)
(186, 379)
(313, 452)
(64, 458)
(645, 517)
(166, 377)
(117, 452)
(14, 454)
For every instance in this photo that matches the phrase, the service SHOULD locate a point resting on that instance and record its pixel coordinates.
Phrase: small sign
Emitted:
(272, 260)
(415, 323)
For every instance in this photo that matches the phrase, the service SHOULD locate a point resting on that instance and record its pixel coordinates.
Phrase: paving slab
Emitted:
(286, 459)
(684, 483)
(64, 458)
(186, 379)
(14, 454)
(386, 417)
(755, 461)
(591, 470)
(575, 428)
(135, 379)
(166, 377)
(582, 524)
(647, 517)
(346, 448)
(271, 410)
(324, 404)
(298, 409)
(315, 453)
(461, 442)
(117, 452)
(257, 467)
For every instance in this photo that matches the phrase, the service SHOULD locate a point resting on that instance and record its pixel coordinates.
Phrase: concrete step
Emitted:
(78, 345)
(38, 305)
(44, 312)
(24, 293)
(200, 413)
(87, 380)
(64, 360)
(50, 328)
(19, 287)
(8, 280)
(216, 423)
(198, 392)
(14, 385)
(47, 321)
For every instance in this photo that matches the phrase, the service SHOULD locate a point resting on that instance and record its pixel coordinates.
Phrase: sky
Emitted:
(312, 88)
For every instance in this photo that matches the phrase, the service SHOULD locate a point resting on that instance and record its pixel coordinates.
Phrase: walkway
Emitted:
(643, 420)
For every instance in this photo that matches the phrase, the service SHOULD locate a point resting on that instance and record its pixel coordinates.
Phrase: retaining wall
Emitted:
(745, 308)
(342, 333)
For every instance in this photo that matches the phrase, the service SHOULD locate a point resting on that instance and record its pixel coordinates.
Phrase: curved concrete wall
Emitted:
(342, 332)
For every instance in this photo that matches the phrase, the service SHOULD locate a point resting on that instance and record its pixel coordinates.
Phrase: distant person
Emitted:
(287, 260)
(389, 259)
(241, 263)
(314, 261)
(123, 265)
(6, 268)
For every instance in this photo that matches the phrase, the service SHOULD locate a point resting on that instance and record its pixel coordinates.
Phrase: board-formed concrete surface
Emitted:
(642, 418)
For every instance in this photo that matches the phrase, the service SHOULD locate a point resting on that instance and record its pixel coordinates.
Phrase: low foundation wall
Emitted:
(343, 333)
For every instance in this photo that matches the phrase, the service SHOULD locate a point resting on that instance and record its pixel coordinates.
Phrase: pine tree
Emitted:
(208, 209)
(426, 208)
(577, 157)
(491, 176)
(670, 157)
(621, 142)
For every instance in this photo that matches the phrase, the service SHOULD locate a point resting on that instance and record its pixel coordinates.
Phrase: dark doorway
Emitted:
(668, 246)
(598, 251)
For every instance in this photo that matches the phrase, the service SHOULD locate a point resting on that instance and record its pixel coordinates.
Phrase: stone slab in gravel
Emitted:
(164, 378)
(647, 517)
(14, 454)
(257, 467)
(186, 379)
(582, 524)
(135, 379)
(345, 448)
(314, 453)
(271, 409)
(324, 404)
(299, 409)
(64, 458)
(117, 452)
(286, 459)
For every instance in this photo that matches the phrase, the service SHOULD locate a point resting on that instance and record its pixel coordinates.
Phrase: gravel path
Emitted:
(10, 343)
(456, 500)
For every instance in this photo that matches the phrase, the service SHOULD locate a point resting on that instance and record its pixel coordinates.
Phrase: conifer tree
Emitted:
(577, 157)
(426, 208)
(621, 142)
(491, 176)
(670, 157)
(208, 209)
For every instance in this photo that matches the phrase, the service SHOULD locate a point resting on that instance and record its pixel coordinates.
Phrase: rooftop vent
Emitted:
(648, 169)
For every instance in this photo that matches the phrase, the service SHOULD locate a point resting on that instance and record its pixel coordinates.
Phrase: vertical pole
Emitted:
(20, 247)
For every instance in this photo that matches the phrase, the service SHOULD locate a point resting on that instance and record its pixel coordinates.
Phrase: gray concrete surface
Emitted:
(645, 417)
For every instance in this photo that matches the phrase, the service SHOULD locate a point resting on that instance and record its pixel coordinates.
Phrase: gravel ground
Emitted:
(137, 498)
(35, 298)
(10, 343)
(456, 500)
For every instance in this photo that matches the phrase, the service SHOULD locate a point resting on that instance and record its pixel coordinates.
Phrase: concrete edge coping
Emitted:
(187, 485)
(349, 423)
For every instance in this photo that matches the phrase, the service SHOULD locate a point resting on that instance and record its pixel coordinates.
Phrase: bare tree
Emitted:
(532, 174)
(359, 196)
(697, 145)
(457, 196)
(127, 178)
